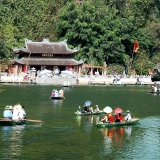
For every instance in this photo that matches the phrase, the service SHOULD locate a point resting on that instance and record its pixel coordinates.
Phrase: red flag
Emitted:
(136, 46)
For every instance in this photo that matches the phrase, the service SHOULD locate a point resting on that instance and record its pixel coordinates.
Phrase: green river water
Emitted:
(62, 135)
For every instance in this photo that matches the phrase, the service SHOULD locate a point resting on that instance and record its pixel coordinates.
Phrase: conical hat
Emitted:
(6, 107)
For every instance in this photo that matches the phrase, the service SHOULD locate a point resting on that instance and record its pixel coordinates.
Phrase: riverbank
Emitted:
(109, 80)
(93, 80)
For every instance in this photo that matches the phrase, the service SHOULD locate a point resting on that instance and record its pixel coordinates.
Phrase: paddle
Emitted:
(31, 120)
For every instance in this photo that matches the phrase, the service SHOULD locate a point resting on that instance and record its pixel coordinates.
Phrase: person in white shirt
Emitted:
(22, 113)
(16, 112)
(128, 116)
(90, 109)
(97, 109)
(155, 88)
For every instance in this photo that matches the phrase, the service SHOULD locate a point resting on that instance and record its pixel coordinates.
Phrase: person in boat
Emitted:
(85, 109)
(16, 112)
(79, 109)
(22, 113)
(110, 118)
(61, 93)
(119, 117)
(105, 118)
(53, 93)
(152, 89)
(8, 112)
(155, 88)
(90, 109)
(97, 109)
(56, 93)
(128, 116)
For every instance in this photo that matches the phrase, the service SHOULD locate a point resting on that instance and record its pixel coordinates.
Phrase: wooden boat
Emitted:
(57, 98)
(155, 92)
(134, 121)
(66, 85)
(8, 122)
(88, 113)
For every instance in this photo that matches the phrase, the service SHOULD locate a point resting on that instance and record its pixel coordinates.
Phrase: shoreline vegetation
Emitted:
(113, 32)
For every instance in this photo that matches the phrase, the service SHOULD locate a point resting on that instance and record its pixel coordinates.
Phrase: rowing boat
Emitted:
(88, 113)
(8, 122)
(134, 121)
(155, 92)
(57, 97)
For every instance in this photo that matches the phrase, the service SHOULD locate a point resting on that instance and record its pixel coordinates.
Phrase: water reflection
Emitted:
(128, 130)
(90, 120)
(78, 120)
(114, 137)
(12, 138)
(108, 135)
(57, 102)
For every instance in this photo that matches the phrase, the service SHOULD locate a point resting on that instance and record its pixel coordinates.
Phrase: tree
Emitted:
(142, 63)
(4, 52)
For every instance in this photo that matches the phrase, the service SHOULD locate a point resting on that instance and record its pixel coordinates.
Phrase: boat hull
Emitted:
(11, 123)
(125, 123)
(155, 92)
(57, 97)
(88, 113)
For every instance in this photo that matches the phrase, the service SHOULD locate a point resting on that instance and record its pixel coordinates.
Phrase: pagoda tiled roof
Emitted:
(47, 61)
(46, 47)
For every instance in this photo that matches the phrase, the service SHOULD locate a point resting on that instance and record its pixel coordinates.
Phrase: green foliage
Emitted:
(4, 52)
(102, 30)
(115, 69)
(142, 63)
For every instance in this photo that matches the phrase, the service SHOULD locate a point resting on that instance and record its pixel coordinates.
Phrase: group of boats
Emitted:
(106, 110)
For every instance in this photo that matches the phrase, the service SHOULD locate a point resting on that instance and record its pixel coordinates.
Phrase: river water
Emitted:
(62, 135)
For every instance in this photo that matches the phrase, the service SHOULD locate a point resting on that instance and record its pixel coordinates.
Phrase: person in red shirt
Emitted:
(110, 118)
(121, 117)
(9, 72)
(117, 119)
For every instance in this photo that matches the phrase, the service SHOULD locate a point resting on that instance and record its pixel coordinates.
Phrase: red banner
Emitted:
(136, 46)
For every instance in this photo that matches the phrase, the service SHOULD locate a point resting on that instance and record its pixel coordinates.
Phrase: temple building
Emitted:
(45, 55)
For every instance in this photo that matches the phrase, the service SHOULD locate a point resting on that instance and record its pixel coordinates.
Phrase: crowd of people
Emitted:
(109, 118)
(88, 109)
(15, 113)
(56, 93)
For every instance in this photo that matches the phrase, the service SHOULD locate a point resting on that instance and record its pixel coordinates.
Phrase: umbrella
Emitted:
(87, 103)
(118, 110)
(107, 109)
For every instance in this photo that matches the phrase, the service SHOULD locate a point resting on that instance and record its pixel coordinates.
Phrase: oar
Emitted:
(31, 120)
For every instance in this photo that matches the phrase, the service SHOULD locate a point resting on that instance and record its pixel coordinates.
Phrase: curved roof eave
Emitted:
(47, 61)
